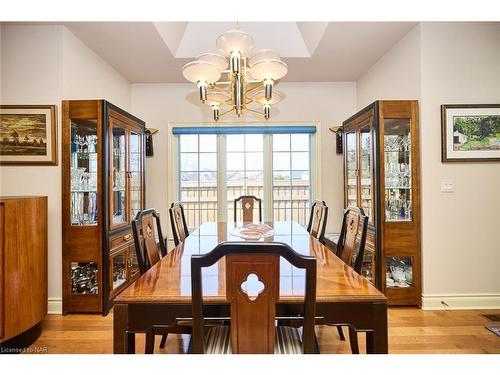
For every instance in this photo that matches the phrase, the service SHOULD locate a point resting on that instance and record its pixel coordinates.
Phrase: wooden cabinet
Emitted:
(23, 269)
(382, 176)
(102, 190)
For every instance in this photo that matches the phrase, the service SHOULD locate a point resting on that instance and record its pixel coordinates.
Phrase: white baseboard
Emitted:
(54, 306)
(460, 301)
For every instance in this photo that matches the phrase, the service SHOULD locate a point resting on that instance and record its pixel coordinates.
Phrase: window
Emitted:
(198, 177)
(214, 169)
(291, 182)
(244, 169)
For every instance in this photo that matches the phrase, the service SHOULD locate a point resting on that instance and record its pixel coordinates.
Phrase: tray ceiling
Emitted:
(154, 52)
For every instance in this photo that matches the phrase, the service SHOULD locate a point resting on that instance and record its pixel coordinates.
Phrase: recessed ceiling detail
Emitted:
(283, 37)
(155, 52)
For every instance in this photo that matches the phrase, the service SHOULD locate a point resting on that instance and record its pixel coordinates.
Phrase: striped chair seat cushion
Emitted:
(287, 340)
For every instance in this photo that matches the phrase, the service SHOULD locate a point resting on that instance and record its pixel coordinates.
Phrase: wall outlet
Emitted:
(447, 185)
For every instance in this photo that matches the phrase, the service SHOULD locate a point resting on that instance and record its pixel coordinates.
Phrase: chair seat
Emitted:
(287, 340)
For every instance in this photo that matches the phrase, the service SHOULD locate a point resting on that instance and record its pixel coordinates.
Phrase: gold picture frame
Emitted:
(28, 135)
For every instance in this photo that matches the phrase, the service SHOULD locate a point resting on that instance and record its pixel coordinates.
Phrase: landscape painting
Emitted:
(470, 132)
(476, 133)
(27, 135)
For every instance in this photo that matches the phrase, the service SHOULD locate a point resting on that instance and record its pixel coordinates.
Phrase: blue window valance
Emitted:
(244, 130)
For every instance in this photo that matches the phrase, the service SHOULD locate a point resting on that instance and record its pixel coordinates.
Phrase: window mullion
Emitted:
(221, 178)
(268, 177)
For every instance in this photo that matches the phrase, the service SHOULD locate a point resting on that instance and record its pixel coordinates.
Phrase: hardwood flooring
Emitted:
(410, 331)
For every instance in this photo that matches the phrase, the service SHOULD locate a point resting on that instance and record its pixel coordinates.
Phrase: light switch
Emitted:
(447, 185)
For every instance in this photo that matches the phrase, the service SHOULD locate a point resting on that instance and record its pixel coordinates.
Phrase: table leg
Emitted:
(130, 342)
(376, 340)
(123, 341)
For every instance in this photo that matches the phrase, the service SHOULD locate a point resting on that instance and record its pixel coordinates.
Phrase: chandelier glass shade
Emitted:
(235, 81)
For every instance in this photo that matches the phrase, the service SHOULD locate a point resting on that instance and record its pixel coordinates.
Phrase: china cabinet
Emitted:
(102, 191)
(381, 175)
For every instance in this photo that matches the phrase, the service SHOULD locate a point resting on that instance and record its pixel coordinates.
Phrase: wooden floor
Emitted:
(410, 331)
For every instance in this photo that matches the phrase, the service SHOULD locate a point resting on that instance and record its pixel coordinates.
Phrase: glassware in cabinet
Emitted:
(398, 171)
(365, 171)
(118, 176)
(84, 278)
(84, 172)
(399, 272)
(118, 270)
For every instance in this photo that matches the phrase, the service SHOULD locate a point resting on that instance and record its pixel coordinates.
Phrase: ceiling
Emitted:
(154, 52)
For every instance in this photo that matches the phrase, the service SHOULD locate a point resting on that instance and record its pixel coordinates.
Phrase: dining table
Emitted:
(162, 295)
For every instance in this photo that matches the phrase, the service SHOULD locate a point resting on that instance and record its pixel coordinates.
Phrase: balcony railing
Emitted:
(290, 202)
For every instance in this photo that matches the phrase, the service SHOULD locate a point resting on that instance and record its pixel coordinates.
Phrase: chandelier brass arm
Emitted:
(229, 78)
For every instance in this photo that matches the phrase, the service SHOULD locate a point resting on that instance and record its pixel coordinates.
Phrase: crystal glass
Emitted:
(84, 278)
(366, 171)
(399, 272)
(119, 270)
(119, 176)
(398, 174)
(84, 174)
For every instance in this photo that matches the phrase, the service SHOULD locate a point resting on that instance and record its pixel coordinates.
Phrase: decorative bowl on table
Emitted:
(252, 231)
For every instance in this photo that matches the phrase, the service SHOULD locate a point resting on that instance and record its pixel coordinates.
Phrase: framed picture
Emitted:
(28, 135)
(470, 132)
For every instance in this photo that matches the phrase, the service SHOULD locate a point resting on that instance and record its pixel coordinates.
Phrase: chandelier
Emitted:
(234, 81)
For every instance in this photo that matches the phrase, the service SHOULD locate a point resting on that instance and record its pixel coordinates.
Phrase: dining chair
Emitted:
(351, 249)
(247, 207)
(317, 219)
(252, 289)
(146, 227)
(178, 220)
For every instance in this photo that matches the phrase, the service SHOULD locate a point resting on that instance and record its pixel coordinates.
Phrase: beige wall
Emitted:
(44, 65)
(328, 103)
(461, 231)
(396, 75)
(446, 63)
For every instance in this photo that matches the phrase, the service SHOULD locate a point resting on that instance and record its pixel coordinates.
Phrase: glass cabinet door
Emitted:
(135, 173)
(118, 180)
(118, 272)
(398, 177)
(351, 170)
(133, 264)
(365, 171)
(83, 161)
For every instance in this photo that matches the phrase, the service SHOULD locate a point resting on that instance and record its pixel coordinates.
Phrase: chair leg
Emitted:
(150, 342)
(316, 344)
(353, 338)
(341, 333)
(163, 340)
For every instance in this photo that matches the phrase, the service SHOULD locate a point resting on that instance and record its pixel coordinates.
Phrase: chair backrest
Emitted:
(247, 207)
(317, 219)
(178, 221)
(253, 308)
(146, 228)
(352, 239)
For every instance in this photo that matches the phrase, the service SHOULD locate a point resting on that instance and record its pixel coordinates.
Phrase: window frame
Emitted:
(173, 166)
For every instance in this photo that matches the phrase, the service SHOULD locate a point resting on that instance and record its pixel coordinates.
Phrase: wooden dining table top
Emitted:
(169, 281)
